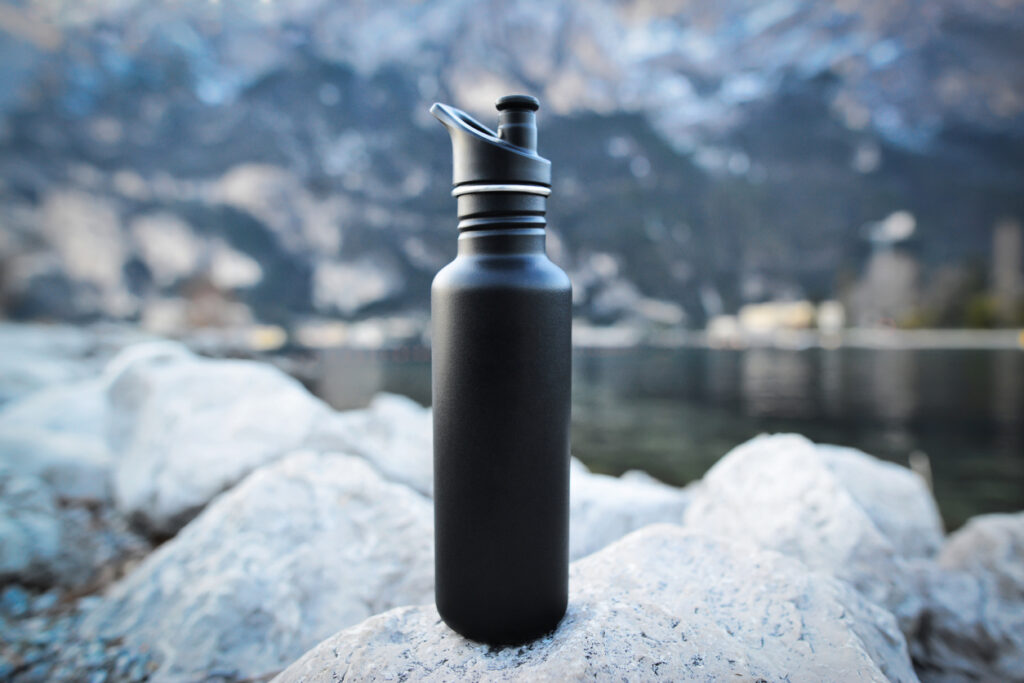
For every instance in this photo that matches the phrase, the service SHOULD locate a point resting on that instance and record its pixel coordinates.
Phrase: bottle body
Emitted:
(501, 366)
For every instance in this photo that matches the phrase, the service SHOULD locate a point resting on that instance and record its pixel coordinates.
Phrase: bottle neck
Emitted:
(496, 206)
(501, 242)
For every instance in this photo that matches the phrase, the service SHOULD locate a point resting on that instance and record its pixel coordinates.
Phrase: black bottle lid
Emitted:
(508, 157)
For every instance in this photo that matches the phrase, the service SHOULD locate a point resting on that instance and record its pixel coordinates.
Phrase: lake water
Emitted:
(674, 412)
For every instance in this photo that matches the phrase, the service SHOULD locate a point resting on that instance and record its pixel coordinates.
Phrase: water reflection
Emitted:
(723, 376)
(831, 384)
(1007, 388)
(892, 386)
(674, 413)
(777, 383)
(1008, 406)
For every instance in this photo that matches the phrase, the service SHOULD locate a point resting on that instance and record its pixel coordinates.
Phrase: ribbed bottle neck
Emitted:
(501, 241)
(485, 206)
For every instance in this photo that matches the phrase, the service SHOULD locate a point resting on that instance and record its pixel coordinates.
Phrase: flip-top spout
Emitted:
(500, 180)
(509, 156)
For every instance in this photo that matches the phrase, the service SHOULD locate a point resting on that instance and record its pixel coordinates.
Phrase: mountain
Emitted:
(213, 162)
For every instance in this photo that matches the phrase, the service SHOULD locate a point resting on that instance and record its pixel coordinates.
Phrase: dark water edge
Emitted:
(675, 412)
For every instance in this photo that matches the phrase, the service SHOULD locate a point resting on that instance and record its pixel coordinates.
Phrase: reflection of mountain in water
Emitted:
(187, 165)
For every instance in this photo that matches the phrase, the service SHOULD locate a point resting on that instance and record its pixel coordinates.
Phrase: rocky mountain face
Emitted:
(221, 162)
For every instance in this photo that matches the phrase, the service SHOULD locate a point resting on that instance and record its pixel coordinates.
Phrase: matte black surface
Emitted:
(501, 366)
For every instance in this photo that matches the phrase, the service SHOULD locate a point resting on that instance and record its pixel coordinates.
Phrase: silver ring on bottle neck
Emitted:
(529, 189)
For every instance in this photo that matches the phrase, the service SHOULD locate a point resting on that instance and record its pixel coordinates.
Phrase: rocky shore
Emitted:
(169, 517)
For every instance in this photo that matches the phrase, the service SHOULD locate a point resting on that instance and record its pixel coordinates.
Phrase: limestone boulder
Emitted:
(394, 434)
(972, 625)
(30, 533)
(301, 548)
(187, 428)
(837, 510)
(49, 541)
(36, 356)
(895, 498)
(603, 509)
(57, 434)
(662, 603)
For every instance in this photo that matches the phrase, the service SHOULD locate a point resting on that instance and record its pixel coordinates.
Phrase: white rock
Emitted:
(75, 407)
(65, 532)
(188, 428)
(663, 603)
(303, 547)
(641, 477)
(44, 542)
(603, 509)
(895, 498)
(30, 535)
(35, 356)
(129, 379)
(394, 434)
(972, 627)
(57, 433)
(783, 493)
(75, 467)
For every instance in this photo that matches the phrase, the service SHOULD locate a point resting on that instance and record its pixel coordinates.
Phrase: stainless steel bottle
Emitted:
(501, 316)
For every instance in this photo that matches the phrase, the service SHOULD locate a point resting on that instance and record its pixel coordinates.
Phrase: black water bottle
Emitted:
(501, 315)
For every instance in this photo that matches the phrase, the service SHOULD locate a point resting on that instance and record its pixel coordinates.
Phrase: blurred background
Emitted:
(778, 215)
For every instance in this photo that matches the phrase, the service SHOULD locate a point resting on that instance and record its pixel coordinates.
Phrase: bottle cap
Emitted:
(506, 157)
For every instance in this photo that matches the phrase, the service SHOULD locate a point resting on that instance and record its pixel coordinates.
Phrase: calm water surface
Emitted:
(673, 413)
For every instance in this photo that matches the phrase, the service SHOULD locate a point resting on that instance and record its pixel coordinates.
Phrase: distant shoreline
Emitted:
(854, 338)
(408, 343)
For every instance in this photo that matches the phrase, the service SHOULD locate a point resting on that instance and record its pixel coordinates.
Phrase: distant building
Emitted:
(831, 317)
(776, 315)
(767, 321)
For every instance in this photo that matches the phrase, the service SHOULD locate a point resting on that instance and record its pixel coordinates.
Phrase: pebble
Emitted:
(14, 601)
(45, 602)
(39, 642)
